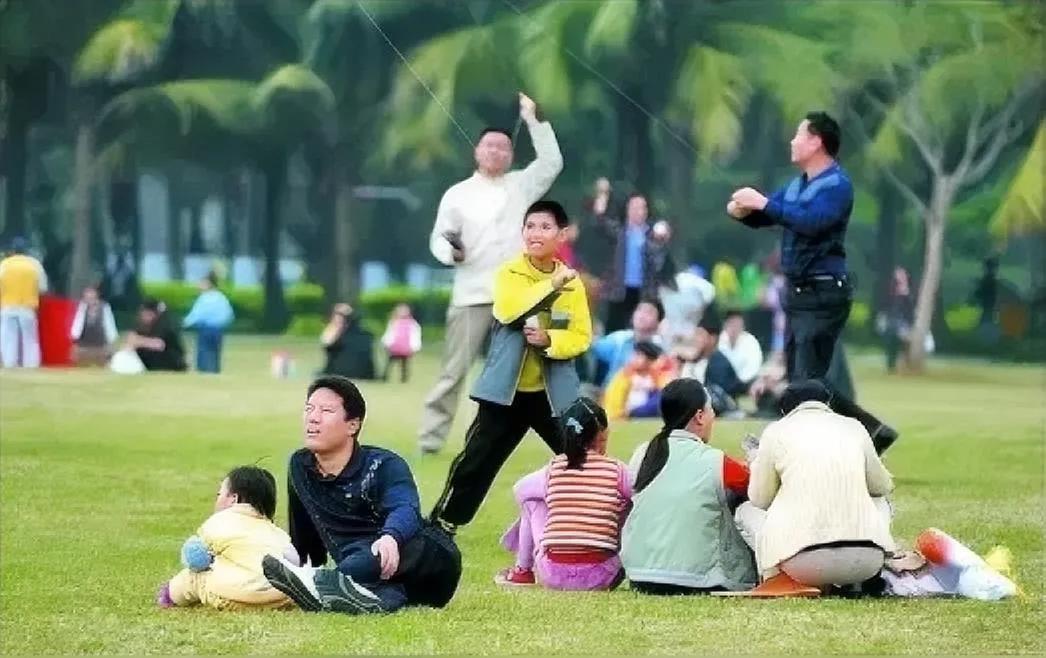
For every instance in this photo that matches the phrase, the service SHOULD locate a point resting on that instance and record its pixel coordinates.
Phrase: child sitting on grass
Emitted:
(571, 511)
(223, 559)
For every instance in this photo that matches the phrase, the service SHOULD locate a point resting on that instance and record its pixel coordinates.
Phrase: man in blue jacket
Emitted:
(813, 211)
(359, 504)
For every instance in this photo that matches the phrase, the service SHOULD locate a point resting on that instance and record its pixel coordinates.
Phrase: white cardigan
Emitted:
(815, 473)
(488, 213)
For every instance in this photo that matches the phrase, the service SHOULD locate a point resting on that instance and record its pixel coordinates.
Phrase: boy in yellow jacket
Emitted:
(223, 560)
(541, 323)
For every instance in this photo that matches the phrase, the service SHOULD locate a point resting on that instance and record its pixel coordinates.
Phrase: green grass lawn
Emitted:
(102, 478)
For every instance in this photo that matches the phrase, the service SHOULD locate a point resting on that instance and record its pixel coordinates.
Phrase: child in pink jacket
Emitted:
(402, 340)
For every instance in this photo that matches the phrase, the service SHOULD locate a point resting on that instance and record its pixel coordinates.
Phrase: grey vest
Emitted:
(497, 382)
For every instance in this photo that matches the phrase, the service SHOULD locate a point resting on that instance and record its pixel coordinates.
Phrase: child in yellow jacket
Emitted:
(635, 390)
(223, 560)
(541, 324)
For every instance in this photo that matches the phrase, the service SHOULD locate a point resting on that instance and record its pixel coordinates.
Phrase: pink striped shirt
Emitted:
(586, 507)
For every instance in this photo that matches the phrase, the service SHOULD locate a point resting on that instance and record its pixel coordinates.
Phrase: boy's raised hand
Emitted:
(562, 277)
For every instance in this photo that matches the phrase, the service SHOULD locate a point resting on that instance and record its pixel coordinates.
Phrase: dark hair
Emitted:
(680, 402)
(256, 487)
(551, 207)
(827, 128)
(152, 304)
(806, 390)
(633, 195)
(710, 321)
(351, 398)
(648, 349)
(212, 278)
(494, 129)
(580, 424)
(733, 313)
(656, 303)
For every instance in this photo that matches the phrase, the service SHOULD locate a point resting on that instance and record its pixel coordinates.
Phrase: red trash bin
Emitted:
(56, 320)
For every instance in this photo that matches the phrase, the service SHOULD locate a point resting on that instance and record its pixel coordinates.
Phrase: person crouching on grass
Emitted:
(542, 324)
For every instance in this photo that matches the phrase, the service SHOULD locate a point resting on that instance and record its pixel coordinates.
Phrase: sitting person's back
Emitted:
(680, 536)
(349, 348)
(224, 559)
(157, 342)
(571, 511)
(815, 473)
(585, 505)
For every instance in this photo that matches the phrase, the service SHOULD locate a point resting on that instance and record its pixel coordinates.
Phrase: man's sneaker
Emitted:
(340, 593)
(298, 583)
(515, 577)
(884, 437)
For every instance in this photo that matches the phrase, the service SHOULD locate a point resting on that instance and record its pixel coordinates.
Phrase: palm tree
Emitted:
(221, 124)
(952, 83)
(38, 38)
(564, 48)
(115, 56)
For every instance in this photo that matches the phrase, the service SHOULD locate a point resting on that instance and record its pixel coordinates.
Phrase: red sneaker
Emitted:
(515, 577)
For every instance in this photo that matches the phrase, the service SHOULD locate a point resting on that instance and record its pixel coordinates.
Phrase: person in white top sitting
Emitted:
(817, 515)
(94, 330)
(476, 230)
(741, 349)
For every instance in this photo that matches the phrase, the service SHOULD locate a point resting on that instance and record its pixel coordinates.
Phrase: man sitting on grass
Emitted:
(360, 505)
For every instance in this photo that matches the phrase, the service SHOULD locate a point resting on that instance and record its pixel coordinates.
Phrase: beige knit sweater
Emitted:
(815, 473)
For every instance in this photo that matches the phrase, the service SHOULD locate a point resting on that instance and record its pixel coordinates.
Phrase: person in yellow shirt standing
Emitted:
(541, 323)
(22, 279)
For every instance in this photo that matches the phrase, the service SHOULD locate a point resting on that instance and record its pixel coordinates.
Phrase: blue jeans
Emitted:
(209, 349)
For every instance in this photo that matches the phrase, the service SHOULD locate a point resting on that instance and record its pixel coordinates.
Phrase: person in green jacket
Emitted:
(680, 537)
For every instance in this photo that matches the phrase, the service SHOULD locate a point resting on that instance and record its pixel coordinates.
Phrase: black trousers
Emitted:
(619, 314)
(490, 441)
(817, 313)
(404, 368)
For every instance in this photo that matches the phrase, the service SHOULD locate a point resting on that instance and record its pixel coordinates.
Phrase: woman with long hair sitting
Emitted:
(680, 537)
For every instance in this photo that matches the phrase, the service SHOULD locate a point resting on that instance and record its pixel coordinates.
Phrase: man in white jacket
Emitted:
(478, 227)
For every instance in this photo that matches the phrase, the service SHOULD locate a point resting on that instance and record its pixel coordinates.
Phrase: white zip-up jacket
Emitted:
(488, 214)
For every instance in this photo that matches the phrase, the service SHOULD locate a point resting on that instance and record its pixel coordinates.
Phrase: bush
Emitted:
(307, 326)
(859, 315)
(248, 302)
(962, 319)
(429, 305)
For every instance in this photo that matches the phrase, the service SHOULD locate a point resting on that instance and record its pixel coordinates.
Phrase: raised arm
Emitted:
(539, 175)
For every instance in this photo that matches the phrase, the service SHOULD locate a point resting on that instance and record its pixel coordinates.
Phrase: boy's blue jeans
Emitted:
(209, 349)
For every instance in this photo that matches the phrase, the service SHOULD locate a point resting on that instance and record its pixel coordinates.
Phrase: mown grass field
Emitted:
(102, 477)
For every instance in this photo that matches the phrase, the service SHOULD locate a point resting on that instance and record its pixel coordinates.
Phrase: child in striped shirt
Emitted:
(571, 511)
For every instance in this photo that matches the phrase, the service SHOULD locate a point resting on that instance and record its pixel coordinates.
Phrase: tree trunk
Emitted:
(936, 219)
(80, 271)
(15, 155)
(196, 229)
(175, 248)
(891, 206)
(345, 252)
(275, 316)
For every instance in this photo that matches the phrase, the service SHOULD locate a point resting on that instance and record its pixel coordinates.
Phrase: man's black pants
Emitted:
(817, 312)
(490, 441)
